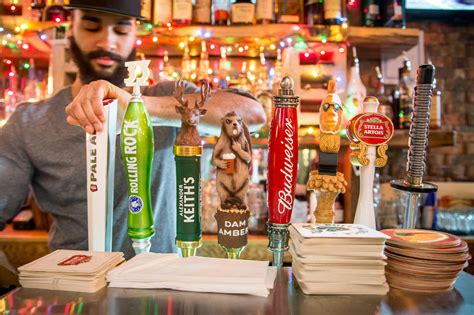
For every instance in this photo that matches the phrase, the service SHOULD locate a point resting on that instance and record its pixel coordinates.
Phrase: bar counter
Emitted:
(285, 298)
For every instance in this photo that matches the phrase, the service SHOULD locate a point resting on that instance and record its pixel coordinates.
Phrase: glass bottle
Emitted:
(202, 12)
(394, 14)
(356, 90)
(435, 111)
(288, 11)
(332, 12)
(203, 68)
(182, 11)
(407, 86)
(162, 12)
(384, 106)
(221, 12)
(371, 13)
(354, 12)
(314, 12)
(243, 12)
(264, 12)
(186, 70)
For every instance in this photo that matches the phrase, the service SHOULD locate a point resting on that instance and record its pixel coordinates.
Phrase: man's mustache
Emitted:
(104, 53)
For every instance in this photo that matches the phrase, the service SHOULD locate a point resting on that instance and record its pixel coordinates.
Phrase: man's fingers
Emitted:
(78, 113)
(72, 121)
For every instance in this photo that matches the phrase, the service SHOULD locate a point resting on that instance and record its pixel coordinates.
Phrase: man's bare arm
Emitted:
(86, 109)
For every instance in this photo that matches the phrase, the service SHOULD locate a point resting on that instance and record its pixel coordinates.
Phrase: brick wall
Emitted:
(451, 48)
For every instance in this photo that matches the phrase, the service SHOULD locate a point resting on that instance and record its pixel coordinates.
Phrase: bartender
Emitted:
(41, 146)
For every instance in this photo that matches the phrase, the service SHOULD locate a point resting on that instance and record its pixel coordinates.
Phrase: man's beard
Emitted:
(87, 73)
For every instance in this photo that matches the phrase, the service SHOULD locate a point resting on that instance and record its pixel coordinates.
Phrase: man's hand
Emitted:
(86, 110)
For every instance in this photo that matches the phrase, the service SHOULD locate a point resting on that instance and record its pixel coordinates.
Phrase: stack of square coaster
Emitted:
(338, 258)
(69, 270)
(424, 260)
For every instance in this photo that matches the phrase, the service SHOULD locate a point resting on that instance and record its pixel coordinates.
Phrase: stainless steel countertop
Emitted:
(285, 298)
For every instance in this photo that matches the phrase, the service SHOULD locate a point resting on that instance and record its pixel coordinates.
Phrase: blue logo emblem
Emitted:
(135, 204)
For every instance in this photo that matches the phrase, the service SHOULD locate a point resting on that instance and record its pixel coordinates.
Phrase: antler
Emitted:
(179, 93)
(205, 94)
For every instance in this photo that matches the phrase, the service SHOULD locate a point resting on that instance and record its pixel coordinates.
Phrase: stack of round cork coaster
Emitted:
(424, 260)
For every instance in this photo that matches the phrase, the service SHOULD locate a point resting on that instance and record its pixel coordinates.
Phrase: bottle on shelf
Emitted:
(162, 12)
(243, 12)
(384, 106)
(332, 12)
(288, 11)
(203, 67)
(223, 71)
(202, 12)
(146, 9)
(278, 74)
(35, 11)
(435, 110)
(355, 91)
(221, 12)
(182, 11)
(406, 86)
(396, 104)
(186, 69)
(264, 11)
(354, 12)
(313, 12)
(394, 13)
(371, 13)
(168, 70)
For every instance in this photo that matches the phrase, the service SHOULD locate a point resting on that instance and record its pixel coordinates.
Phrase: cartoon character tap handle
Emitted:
(326, 182)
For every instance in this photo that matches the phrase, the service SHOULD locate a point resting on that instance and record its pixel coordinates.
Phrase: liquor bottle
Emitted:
(186, 69)
(314, 12)
(162, 12)
(407, 86)
(356, 90)
(354, 12)
(396, 104)
(384, 106)
(182, 11)
(36, 10)
(288, 11)
(243, 12)
(223, 70)
(146, 9)
(394, 14)
(332, 12)
(202, 12)
(371, 13)
(435, 111)
(168, 69)
(264, 12)
(278, 74)
(221, 12)
(203, 68)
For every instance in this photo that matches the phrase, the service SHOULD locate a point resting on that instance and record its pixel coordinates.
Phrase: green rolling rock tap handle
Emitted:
(137, 153)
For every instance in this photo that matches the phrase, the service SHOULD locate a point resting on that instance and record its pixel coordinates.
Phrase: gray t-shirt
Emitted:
(39, 149)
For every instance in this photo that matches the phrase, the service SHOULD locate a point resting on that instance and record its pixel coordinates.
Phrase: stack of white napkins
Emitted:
(338, 259)
(69, 270)
(199, 274)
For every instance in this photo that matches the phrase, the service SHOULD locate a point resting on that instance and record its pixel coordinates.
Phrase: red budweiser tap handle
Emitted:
(283, 154)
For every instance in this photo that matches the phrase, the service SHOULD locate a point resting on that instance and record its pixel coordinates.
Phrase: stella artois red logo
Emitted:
(370, 128)
(75, 260)
(93, 187)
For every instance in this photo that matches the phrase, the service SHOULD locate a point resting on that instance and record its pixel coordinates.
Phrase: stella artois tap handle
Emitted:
(282, 168)
(100, 148)
(326, 181)
(369, 133)
(418, 141)
(137, 143)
